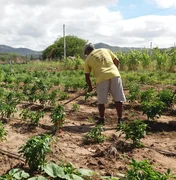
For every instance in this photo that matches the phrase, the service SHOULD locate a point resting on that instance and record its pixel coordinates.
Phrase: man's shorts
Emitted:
(112, 86)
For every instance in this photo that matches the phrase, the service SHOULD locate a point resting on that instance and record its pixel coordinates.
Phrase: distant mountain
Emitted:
(115, 48)
(21, 51)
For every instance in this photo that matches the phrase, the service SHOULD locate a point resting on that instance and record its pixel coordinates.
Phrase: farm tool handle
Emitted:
(82, 94)
(74, 98)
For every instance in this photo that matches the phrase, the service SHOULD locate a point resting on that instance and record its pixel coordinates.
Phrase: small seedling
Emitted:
(75, 107)
(95, 135)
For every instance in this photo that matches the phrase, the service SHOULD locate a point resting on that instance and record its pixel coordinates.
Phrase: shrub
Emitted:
(35, 150)
(134, 131)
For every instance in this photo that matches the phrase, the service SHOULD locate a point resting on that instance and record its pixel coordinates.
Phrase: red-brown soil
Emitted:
(108, 158)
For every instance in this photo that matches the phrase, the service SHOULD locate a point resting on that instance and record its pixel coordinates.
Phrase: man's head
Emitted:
(88, 48)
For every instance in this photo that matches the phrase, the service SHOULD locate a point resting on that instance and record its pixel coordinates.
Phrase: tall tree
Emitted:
(74, 47)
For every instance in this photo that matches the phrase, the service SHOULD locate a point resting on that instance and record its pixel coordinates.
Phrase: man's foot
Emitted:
(120, 120)
(100, 121)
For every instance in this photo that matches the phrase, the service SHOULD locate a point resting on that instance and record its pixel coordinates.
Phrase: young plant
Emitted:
(134, 92)
(3, 132)
(148, 94)
(153, 108)
(58, 116)
(67, 171)
(95, 135)
(32, 116)
(34, 151)
(14, 174)
(90, 94)
(63, 95)
(52, 97)
(135, 131)
(75, 107)
(143, 171)
(166, 96)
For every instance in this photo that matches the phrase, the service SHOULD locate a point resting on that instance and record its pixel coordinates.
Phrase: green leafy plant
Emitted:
(153, 108)
(3, 132)
(34, 151)
(144, 171)
(8, 103)
(95, 135)
(52, 97)
(134, 130)
(63, 95)
(32, 116)
(67, 171)
(58, 116)
(134, 92)
(15, 174)
(166, 96)
(90, 94)
(75, 107)
(148, 94)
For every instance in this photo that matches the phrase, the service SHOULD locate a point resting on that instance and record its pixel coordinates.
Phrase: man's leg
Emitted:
(101, 108)
(118, 95)
(102, 98)
(119, 106)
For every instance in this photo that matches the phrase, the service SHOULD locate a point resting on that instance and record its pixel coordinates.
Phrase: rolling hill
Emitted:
(21, 51)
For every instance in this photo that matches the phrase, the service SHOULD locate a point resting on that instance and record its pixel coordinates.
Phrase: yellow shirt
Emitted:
(100, 62)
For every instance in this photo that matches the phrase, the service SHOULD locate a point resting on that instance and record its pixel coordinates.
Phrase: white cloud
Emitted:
(37, 24)
(165, 3)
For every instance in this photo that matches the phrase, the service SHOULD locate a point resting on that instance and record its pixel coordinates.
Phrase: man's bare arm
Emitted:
(116, 62)
(88, 81)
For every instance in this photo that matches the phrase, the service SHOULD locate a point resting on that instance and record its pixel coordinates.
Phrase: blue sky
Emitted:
(137, 8)
(36, 24)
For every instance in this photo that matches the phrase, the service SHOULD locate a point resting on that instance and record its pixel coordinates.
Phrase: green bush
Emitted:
(134, 130)
(34, 151)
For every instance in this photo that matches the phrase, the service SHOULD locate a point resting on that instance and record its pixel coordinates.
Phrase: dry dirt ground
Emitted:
(108, 158)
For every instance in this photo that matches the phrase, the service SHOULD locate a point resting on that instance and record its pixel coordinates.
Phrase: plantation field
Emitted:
(48, 98)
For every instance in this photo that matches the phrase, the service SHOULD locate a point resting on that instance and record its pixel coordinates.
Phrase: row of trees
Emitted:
(150, 59)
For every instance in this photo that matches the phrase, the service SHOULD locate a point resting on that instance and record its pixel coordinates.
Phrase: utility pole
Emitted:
(151, 45)
(64, 41)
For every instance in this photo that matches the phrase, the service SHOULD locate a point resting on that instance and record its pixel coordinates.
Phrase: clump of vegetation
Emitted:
(153, 108)
(58, 116)
(14, 174)
(3, 132)
(143, 170)
(167, 97)
(89, 95)
(95, 135)
(34, 151)
(134, 92)
(75, 107)
(134, 130)
(32, 116)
